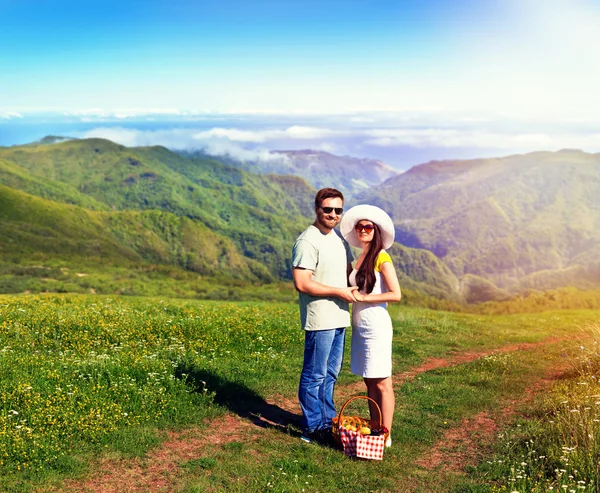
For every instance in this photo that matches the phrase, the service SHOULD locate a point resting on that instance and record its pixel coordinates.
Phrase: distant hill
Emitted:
(14, 176)
(36, 228)
(51, 139)
(243, 207)
(351, 174)
(502, 225)
(321, 169)
(421, 270)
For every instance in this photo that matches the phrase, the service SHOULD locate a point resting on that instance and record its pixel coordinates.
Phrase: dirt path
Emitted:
(159, 470)
(467, 443)
(456, 359)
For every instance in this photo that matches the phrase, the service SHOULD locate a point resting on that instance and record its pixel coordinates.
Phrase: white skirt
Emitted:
(371, 350)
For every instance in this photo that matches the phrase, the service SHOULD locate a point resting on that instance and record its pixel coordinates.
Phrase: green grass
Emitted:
(87, 376)
(90, 275)
(79, 369)
(555, 444)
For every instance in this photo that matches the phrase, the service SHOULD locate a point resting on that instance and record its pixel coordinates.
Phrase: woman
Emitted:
(370, 228)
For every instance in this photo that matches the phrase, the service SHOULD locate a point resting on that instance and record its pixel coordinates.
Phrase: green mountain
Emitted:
(420, 270)
(81, 204)
(502, 225)
(16, 177)
(467, 230)
(39, 229)
(261, 214)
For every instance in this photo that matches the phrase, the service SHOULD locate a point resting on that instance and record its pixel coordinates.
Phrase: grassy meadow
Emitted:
(89, 378)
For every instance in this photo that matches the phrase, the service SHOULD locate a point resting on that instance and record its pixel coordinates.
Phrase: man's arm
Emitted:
(305, 284)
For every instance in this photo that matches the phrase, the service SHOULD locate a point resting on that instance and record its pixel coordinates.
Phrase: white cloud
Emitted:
(299, 132)
(236, 135)
(259, 136)
(232, 150)
(8, 115)
(416, 137)
(539, 140)
(452, 138)
(135, 113)
(399, 139)
(472, 119)
(90, 114)
(175, 139)
(182, 139)
(327, 147)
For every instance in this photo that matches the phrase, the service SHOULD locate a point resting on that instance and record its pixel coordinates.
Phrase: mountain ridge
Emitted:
(231, 202)
(467, 230)
(320, 168)
(501, 219)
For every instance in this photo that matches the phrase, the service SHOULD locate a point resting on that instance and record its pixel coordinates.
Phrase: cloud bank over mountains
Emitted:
(402, 138)
(413, 137)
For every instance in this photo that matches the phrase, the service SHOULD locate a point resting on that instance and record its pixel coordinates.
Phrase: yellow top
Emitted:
(382, 258)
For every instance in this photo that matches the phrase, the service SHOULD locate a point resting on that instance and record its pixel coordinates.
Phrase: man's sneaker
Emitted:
(306, 437)
(322, 436)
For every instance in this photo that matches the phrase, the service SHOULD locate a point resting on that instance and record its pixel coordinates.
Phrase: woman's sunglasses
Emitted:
(367, 228)
(329, 210)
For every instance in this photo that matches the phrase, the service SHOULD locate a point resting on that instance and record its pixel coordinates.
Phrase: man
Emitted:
(321, 261)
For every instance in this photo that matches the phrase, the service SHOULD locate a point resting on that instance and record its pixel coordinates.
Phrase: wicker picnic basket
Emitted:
(357, 421)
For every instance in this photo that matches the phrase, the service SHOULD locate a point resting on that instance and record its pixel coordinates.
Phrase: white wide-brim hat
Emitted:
(369, 213)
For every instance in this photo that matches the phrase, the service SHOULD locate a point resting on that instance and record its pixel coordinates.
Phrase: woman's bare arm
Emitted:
(391, 279)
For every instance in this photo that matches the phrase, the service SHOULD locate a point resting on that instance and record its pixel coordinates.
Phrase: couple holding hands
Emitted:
(327, 283)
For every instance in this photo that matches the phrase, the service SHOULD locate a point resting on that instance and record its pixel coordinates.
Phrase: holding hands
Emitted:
(358, 296)
(351, 294)
(348, 294)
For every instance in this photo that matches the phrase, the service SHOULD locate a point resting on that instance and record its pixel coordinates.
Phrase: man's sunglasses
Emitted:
(367, 228)
(329, 210)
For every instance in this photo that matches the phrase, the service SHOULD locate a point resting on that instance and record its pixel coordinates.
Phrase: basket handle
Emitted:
(361, 397)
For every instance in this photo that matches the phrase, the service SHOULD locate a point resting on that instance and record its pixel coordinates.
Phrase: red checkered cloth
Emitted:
(363, 446)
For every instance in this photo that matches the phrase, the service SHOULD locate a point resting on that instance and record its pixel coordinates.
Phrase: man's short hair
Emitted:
(327, 193)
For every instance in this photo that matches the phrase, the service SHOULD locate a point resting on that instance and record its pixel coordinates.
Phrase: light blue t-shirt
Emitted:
(327, 256)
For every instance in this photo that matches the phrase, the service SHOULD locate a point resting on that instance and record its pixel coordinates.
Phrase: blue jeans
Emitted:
(323, 355)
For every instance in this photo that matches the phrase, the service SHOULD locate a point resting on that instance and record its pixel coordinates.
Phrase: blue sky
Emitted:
(296, 55)
(219, 56)
(373, 78)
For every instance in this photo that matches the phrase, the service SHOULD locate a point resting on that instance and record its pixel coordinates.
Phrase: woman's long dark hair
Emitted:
(365, 277)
